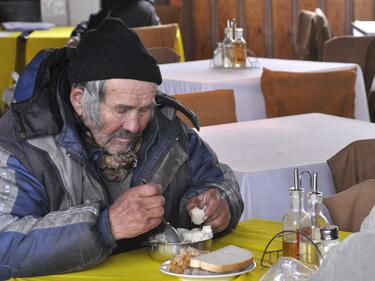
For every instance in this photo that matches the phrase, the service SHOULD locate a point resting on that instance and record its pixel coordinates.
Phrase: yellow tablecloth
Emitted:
(57, 37)
(8, 53)
(137, 265)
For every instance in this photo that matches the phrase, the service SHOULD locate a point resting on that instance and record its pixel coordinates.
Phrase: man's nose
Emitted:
(132, 123)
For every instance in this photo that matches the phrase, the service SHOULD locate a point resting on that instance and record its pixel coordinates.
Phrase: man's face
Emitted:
(124, 114)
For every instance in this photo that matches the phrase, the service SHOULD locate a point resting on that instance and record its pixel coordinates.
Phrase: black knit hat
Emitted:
(112, 51)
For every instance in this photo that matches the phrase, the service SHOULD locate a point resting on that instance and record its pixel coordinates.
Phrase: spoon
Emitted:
(171, 233)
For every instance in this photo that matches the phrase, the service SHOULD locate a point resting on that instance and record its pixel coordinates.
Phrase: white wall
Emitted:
(80, 10)
(68, 12)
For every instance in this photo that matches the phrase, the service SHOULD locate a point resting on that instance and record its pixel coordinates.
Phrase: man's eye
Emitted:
(122, 110)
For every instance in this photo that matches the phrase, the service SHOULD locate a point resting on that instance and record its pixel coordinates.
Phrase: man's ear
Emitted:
(76, 96)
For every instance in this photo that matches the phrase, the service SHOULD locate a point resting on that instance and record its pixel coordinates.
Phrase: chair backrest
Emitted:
(168, 14)
(369, 78)
(305, 47)
(212, 107)
(353, 49)
(353, 164)
(291, 93)
(164, 55)
(322, 31)
(349, 208)
(158, 35)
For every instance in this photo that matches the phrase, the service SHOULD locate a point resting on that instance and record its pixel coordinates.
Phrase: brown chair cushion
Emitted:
(305, 48)
(291, 93)
(212, 107)
(353, 49)
(164, 55)
(158, 35)
(353, 164)
(349, 208)
(322, 30)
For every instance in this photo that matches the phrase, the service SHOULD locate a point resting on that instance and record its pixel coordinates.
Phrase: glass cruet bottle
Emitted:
(228, 47)
(314, 201)
(296, 219)
(239, 49)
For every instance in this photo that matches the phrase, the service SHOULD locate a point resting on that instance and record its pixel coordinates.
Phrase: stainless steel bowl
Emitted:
(163, 251)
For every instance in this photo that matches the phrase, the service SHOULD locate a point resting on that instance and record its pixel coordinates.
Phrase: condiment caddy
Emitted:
(232, 52)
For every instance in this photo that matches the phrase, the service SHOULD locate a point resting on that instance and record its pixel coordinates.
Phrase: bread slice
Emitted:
(229, 258)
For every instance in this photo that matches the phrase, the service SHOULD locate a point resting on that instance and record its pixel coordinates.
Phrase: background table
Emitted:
(362, 28)
(137, 265)
(8, 53)
(263, 154)
(55, 37)
(195, 76)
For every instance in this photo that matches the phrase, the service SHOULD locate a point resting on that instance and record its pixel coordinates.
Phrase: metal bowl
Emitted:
(163, 251)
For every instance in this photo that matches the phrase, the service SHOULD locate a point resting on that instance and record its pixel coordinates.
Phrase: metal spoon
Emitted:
(171, 233)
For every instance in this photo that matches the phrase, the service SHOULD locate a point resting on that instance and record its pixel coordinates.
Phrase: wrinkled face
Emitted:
(124, 113)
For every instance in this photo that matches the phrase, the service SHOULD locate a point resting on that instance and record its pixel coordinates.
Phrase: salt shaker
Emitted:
(329, 235)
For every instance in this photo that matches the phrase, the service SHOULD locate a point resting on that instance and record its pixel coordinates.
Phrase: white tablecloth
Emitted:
(263, 154)
(195, 76)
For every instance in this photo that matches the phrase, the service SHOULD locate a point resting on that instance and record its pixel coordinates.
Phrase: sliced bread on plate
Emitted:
(229, 258)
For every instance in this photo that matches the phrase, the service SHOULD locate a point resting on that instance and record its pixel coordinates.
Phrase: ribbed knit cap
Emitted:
(112, 51)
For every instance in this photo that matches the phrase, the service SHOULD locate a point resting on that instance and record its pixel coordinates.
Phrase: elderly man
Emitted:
(91, 173)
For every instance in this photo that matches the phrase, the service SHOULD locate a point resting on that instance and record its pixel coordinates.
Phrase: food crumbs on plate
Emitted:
(182, 260)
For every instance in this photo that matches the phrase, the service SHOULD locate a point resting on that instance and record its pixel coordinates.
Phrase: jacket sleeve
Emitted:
(34, 241)
(206, 172)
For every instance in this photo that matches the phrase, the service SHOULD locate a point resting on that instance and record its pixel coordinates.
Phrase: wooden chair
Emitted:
(212, 107)
(158, 35)
(164, 55)
(291, 93)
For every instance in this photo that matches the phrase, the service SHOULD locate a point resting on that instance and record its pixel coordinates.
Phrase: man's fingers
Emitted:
(155, 213)
(149, 189)
(194, 202)
(152, 202)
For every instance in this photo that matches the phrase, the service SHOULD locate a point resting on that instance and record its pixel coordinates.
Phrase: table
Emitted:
(195, 76)
(137, 265)
(8, 47)
(361, 28)
(263, 154)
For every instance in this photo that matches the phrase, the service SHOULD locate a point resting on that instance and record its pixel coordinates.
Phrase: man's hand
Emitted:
(136, 211)
(73, 42)
(216, 209)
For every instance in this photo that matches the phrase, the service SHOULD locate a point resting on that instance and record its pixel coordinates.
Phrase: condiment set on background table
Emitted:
(232, 52)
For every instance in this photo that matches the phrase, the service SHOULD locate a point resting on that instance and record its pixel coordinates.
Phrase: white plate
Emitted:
(200, 274)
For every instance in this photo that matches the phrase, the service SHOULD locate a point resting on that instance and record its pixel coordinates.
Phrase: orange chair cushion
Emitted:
(291, 93)
(212, 107)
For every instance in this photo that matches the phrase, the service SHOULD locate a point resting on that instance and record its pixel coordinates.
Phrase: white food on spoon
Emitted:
(198, 215)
